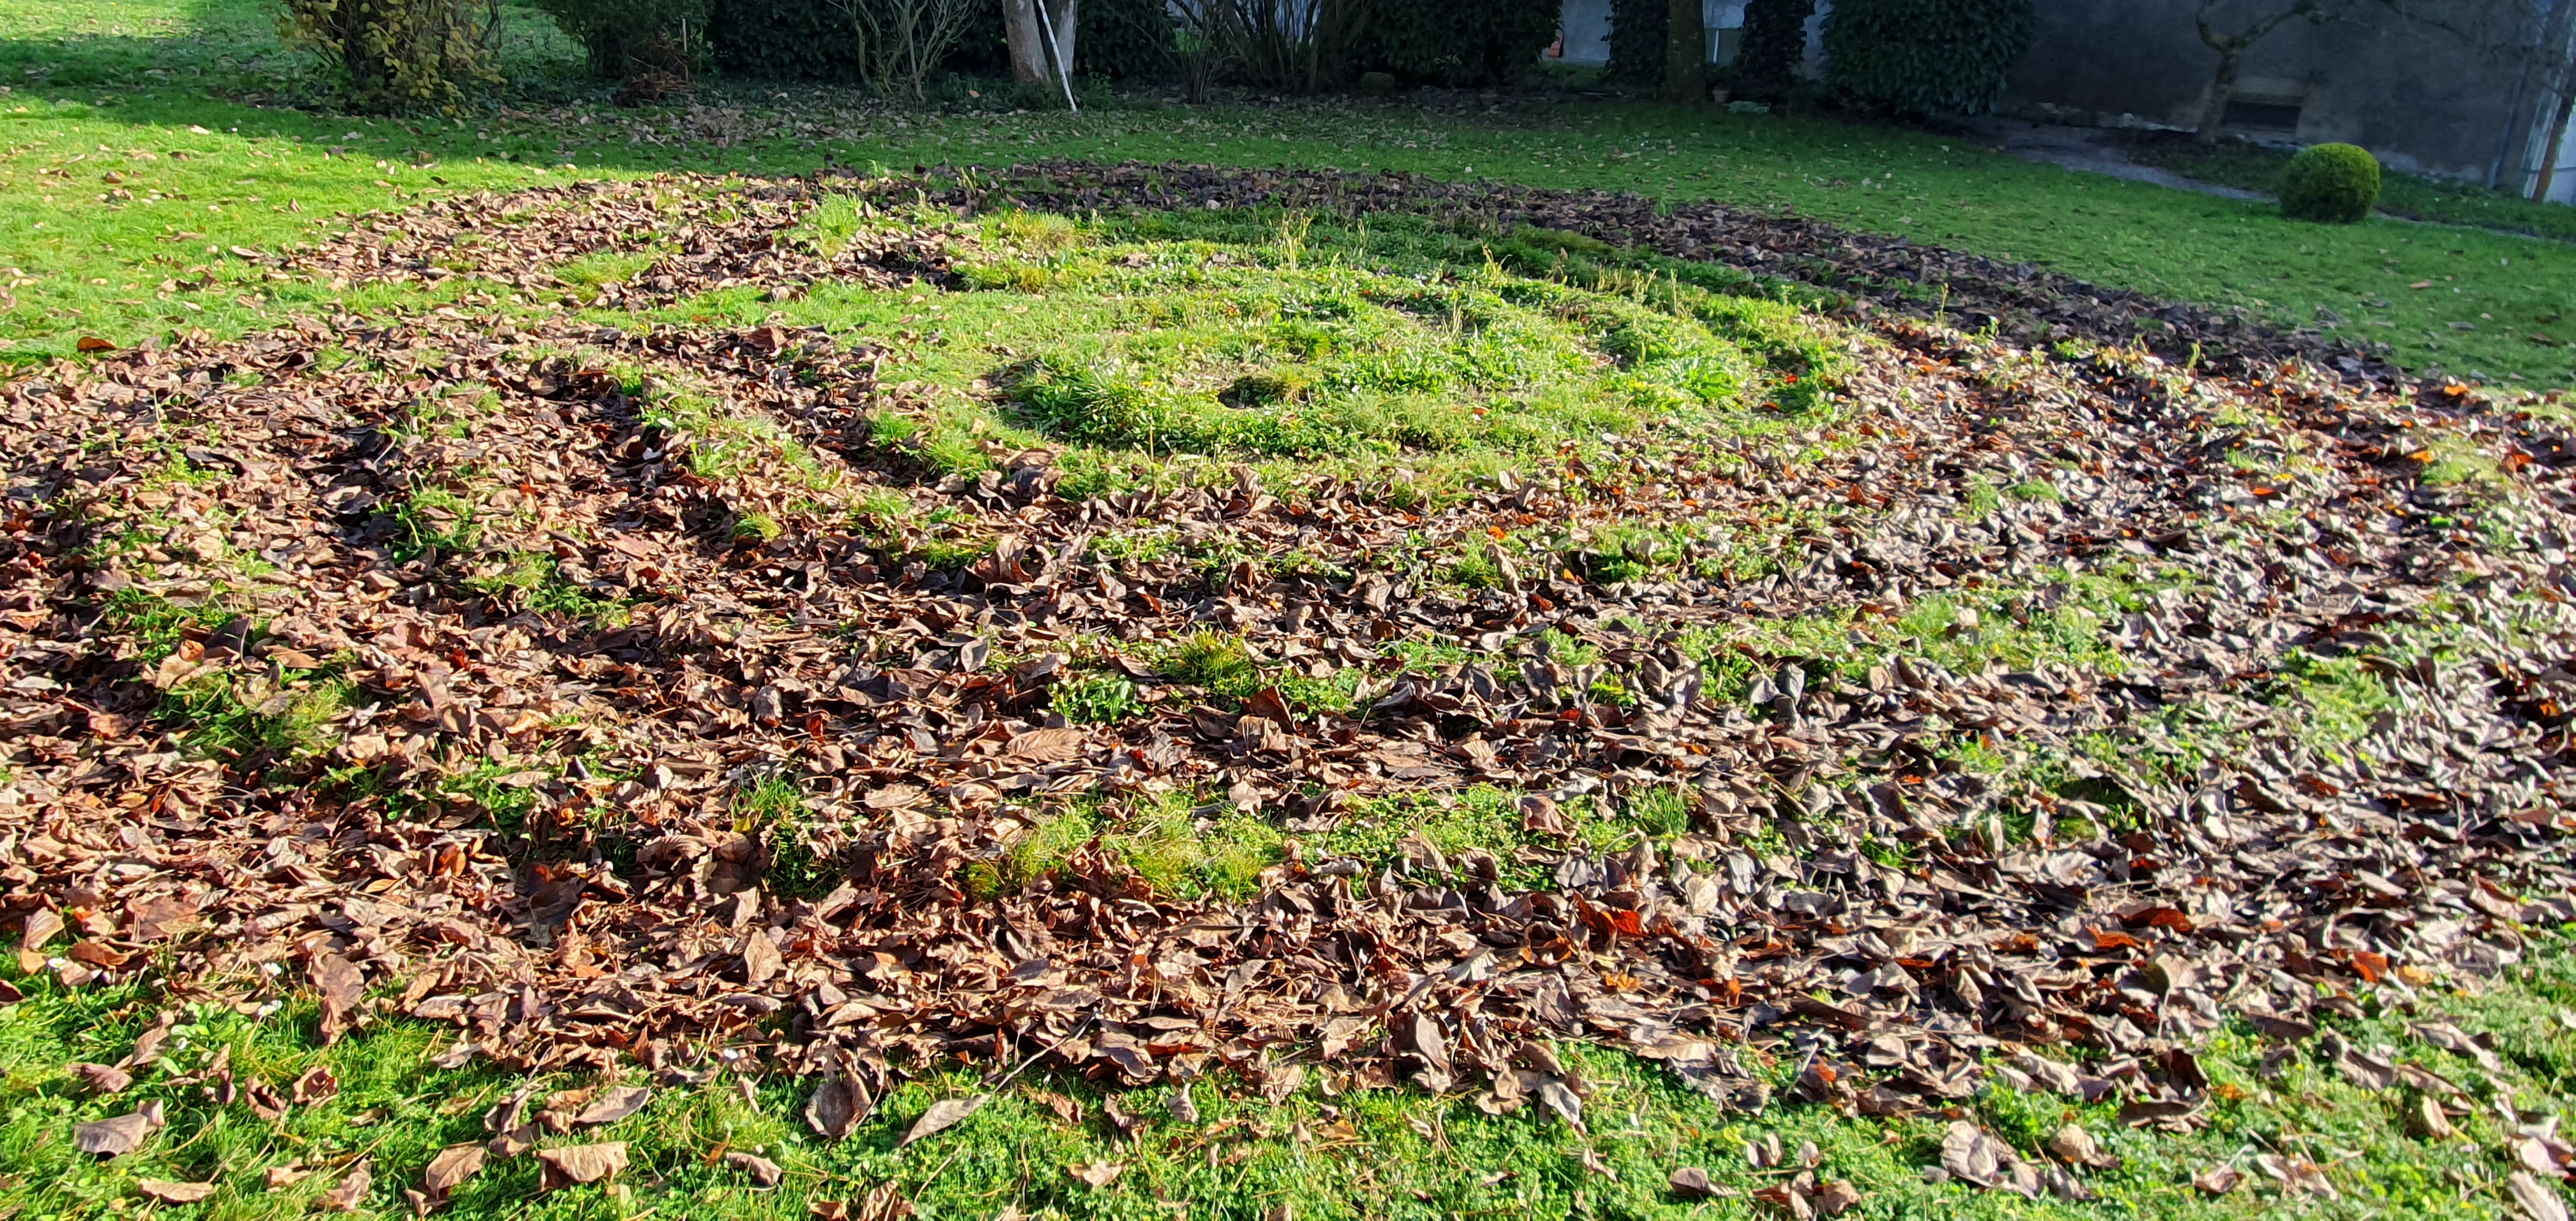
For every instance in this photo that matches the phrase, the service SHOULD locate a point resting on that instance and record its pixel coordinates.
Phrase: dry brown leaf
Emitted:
(1066, 1109)
(1097, 1174)
(342, 986)
(836, 1107)
(316, 1085)
(942, 1115)
(345, 1195)
(1691, 1183)
(2537, 1200)
(168, 1192)
(115, 1137)
(883, 1203)
(762, 1170)
(452, 1166)
(568, 1165)
(2077, 1147)
(101, 1079)
(1045, 745)
(616, 1104)
(2430, 1121)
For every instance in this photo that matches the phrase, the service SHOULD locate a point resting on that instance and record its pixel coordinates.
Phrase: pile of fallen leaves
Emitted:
(466, 803)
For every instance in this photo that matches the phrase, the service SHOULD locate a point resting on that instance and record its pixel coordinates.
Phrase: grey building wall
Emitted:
(2421, 98)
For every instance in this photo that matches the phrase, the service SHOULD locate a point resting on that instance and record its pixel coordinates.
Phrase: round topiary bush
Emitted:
(2331, 184)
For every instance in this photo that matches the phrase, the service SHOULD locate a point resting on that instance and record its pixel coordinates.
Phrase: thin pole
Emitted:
(1063, 70)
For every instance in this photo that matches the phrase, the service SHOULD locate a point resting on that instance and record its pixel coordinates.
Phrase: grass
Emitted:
(2253, 167)
(1154, 351)
(1319, 1151)
(152, 91)
(1298, 343)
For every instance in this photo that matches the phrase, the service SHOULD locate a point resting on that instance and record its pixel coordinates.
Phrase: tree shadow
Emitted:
(228, 49)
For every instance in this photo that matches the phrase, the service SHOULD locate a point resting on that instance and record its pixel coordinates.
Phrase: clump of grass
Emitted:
(496, 788)
(534, 580)
(1661, 811)
(241, 717)
(2343, 695)
(723, 444)
(1178, 852)
(585, 277)
(2457, 462)
(157, 624)
(1489, 819)
(1165, 841)
(1215, 660)
(774, 808)
(434, 518)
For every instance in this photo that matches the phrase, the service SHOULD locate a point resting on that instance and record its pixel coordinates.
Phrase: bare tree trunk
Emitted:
(1028, 46)
(1686, 54)
(2231, 51)
(2222, 90)
(2557, 140)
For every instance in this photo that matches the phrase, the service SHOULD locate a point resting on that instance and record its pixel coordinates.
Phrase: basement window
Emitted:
(2264, 113)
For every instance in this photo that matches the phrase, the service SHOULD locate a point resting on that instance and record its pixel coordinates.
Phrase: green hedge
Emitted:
(1462, 42)
(785, 40)
(625, 37)
(1914, 57)
(1637, 29)
(1775, 43)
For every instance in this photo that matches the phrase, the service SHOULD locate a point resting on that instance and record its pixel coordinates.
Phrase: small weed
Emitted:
(773, 808)
(1096, 699)
(156, 624)
(2343, 695)
(434, 519)
(534, 580)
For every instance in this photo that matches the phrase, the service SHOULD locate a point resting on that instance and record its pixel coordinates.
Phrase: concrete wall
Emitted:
(2426, 100)
(2423, 99)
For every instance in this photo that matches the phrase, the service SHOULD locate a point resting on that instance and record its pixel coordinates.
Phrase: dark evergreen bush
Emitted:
(1914, 57)
(1637, 29)
(787, 40)
(630, 37)
(1775, 43)
(1124, 40)
(1464, 42)
(2331, 184)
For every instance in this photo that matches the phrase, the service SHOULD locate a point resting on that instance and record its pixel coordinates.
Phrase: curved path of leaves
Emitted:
(529, 822)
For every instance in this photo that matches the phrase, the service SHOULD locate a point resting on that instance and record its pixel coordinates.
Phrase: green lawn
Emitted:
(2438, 201)
(123, 89)
(1319, 1153)
(1142, 337)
